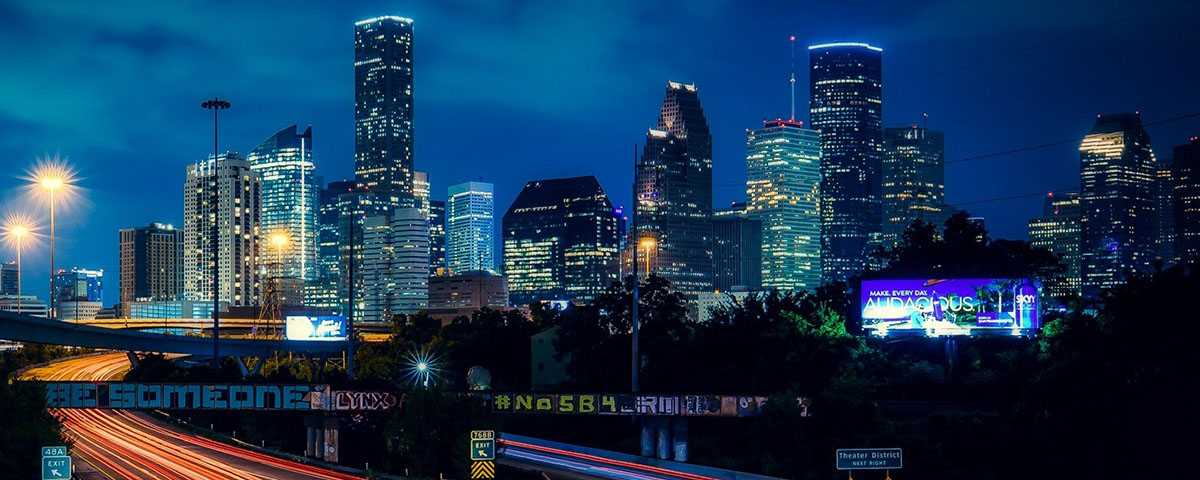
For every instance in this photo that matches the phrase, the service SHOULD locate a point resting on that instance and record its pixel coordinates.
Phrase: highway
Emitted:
(571, 462)
(123, 444)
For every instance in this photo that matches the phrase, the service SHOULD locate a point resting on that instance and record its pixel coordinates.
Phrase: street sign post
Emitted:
(56, 464)
(483, 445)
(869, 459)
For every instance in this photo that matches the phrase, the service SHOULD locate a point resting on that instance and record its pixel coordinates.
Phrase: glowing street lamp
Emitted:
(16, 233)
(648, 244)
(54, 180)
(422, 366)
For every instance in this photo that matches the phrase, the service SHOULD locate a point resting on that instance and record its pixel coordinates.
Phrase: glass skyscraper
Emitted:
(1117, 171)
(846, 106)
(674, 188)
(1186, 225)
(782, 188)
(1057, 230)
(79, 284)
(383, 106)
(560, 241)
(470, 228)
(290, 203)
(395, 264)
(914, 180)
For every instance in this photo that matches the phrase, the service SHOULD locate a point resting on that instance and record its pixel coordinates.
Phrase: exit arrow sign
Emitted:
(483, 445)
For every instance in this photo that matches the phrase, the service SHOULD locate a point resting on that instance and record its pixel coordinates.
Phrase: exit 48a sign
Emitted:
(483, 445)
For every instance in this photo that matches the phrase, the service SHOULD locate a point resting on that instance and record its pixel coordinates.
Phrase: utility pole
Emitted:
(216, 105)
(633, 238)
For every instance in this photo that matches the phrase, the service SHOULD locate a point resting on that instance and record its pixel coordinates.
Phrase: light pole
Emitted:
(18, 233)
(279, 240)
(51, 182)
(216, 105)
(648, 244)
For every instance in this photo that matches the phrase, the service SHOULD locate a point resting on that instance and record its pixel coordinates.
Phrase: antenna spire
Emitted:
(793, 81)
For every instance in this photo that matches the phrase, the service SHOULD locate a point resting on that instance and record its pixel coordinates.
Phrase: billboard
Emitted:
(315, 327)
(949, 307)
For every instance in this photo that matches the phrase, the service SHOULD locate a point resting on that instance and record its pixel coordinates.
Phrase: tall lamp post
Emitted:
(51, 182)
(216, 105)
(18, 233)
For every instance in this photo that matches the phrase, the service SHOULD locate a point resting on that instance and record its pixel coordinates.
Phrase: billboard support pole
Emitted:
(951, 354)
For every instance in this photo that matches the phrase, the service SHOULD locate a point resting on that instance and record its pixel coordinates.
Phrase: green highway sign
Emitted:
(483, 445)
(56, 464)
(869, 459)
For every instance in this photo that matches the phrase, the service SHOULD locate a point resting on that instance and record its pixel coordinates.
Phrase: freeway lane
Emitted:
(130, 445)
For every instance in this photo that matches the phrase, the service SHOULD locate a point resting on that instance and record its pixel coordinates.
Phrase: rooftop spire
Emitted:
(793, 81)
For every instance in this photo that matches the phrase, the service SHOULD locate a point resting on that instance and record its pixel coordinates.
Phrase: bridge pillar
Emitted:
(314, 437)
(647, 440)
(680, 427)
(331, 439)
(663, 425)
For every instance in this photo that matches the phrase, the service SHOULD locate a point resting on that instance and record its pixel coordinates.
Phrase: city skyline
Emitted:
(109, 209)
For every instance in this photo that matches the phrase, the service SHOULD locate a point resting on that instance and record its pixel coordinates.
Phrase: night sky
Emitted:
(516, 91)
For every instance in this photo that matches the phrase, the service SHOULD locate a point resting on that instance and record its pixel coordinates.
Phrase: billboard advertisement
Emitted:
(949, 307)
(315, 327)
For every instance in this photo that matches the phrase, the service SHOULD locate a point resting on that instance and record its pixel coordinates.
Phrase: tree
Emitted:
(25, 427)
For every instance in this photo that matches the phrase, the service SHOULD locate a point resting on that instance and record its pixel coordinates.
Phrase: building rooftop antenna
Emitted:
(793, 81)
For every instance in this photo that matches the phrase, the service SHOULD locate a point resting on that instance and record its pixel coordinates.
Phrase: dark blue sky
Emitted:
(514, 91)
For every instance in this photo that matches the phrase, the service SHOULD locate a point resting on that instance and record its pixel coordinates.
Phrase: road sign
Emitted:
(869, 459)
(54, 451)
(483, 445)
(56, 468)
(484, 469)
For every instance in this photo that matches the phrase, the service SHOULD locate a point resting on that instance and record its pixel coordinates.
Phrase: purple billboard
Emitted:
(957, 306)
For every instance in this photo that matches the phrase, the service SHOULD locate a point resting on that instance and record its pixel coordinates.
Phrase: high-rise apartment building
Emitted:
(1117, 170)
(783, 180)
(738, 249)
(560, 241)
(846, 106)
(383, 107)
(291, 197)
(437, 236)
(1186, 221)
(470, 228)
(238, 192)
(1058, 230)
(914, 180)
(674, 189)
(395, 264)
(151, 264)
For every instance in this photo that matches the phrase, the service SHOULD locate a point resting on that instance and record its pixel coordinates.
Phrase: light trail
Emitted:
(130, 445)
(592, 464)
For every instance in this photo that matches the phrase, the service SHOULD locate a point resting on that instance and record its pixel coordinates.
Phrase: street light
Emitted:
(279, 240)
(648, 244)
(216, 105)
(52, 178)
(16, 233)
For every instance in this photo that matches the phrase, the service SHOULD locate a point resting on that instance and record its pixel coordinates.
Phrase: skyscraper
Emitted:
(383, 106)
(354, 208)
(437, 236)
(395, 264)
(1058, 230)
(470, 225)
(322, 292)
(290, 202)
(238, 230)
(78, 293)
(846, 106)
(8, 278)
(782, 188)
(421, 191)
(674, 188)
(914, 186)
(1187, 202)
(1117, 170)
(560, 241)
(151, 264)
(738, 249)
(1164, 209)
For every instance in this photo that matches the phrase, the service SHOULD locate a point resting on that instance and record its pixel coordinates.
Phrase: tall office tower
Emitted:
(239, 193)
(560, 241)
(1187, 202)
(1164, 206)
(469, 228)
(395, 273)
(738, 249)
(783, 180)
(1117, 171)
(383, 106)
(8, 278)
(846, 106)
(321, 293)
(914, 185)
(151, 264)
(353, 209)
(437, 236)
(1057, 230)
(674, 182)
(290, 203)
(421, 191)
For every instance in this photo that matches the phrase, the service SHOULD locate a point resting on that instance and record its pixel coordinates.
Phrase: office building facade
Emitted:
(914, 180)
(846, 106)
(151, 264)
(739, 250)
(783, 181)
(238, 195)
(395, 264)
(383, 107)
(1117, 170)
(470, 226)
(437, 236)
(560, 241)
(291, 196)
(1058, 230)
(8, 278)
(1186, 201)
(674, 189)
